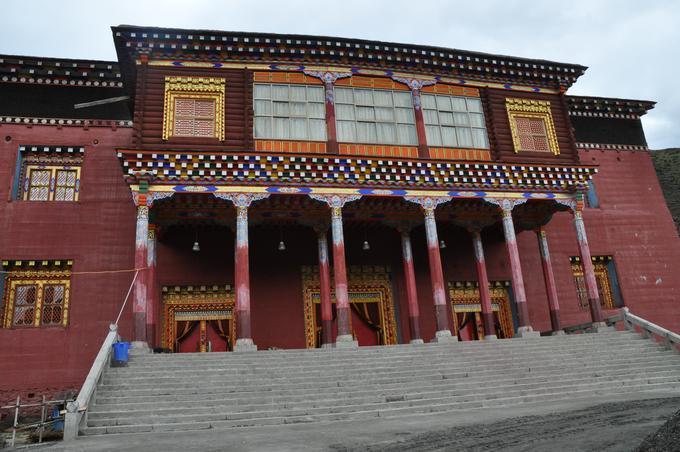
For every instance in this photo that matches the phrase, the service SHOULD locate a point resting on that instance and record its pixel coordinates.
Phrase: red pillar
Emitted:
(325, 291)
(437, 278)
(139, 300)
(549, 278)
(484, 293)
(152, 293)
(524, 329)
(340, 274)
(244, 339)
(332, 138)
(420, 124)
(411, 293)
(588, 270)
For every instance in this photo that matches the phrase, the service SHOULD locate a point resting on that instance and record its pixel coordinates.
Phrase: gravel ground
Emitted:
(666, 439)
(607, 427)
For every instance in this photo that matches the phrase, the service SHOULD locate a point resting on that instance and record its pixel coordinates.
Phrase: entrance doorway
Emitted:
(372, 319)
(198, 318)
(467, 310)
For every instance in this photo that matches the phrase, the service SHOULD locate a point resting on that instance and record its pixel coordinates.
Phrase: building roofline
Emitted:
(59, 71)
(608, 106)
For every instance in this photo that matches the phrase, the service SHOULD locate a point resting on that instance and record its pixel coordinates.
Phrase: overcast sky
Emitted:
(632, 47)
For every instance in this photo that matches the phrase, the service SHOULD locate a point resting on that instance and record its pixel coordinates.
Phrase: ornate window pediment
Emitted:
(531, 125)
(194, 107)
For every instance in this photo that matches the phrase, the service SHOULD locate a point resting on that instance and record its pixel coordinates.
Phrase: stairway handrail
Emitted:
(649, 329)
(76, 412)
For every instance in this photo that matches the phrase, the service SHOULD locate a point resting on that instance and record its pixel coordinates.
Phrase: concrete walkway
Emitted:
(616, 424)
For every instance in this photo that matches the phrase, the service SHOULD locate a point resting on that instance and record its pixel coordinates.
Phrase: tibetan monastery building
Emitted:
(221, 191)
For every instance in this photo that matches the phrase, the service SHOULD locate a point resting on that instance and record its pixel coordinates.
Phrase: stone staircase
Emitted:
(223, 390)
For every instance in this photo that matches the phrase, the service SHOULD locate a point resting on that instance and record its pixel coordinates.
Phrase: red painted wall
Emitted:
(97, 233)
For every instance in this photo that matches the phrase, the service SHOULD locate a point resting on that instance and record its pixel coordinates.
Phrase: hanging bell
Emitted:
(366, 246)
(196, 247)
(442, 244)
(282, 246)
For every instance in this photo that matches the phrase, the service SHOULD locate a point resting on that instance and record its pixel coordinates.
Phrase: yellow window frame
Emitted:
(41, 279)
(193, 88)
(53, 169)
(533, 109)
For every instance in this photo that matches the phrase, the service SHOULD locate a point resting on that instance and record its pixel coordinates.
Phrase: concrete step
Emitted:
(467, 391)
(287, 371)
(172, 392)
(350, 378)
(373, 412)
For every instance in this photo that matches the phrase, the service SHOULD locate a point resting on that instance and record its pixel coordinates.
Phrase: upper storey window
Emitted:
(532, 126)
(452, 121)
(289, 112)
(375, 116)
(193, 108)
(48, 173)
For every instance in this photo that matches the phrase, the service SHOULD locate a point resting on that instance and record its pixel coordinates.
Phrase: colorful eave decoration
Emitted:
(284, 170)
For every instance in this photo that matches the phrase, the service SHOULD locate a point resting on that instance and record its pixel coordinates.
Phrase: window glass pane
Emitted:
(343, 95)
(449, 136)
(298, 109)
(474, 105)
(446, 118)
(406, 134)
(366, 132)
(347, 131)
(431, 116)
(444, 103)
(405, 115)
(428, 101)
(479, 139)
(281, 109)
(53, 300)
(262, 92)
(382, 98)
(298, 93)
(458, 104)
(363, 97)
(433, 136)
(403, 99)
(39, 185)
(298, 128)
(464, 137)
(263, 128)
(384, 114)
(365, 114)
(281, 128)
(317, 129)
(476, 120)
(280, 92)
(315, 94)
(24, 305)
(263, 108)
(344, 111)
(461, 119)
(386, 133)
(65, 185)
(316, 110)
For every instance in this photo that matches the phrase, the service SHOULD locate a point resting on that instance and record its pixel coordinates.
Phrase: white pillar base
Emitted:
(327, 346)
(140, 347)
(416, 341)
(346, 341)
(444, 337)
(491, 337)
(526, 332)
(558, 333)
(244, 346)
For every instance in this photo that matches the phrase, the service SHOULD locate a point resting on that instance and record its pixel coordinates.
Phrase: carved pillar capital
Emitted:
(506, 204)
(428, 203)
(241, 200)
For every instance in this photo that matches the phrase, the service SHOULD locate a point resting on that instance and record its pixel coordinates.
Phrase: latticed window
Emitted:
(37, 296)
(532, 134)
(454, 121)
(51, 182)
(375, 116)
(194, 117)
(605, 277)
(289, 112)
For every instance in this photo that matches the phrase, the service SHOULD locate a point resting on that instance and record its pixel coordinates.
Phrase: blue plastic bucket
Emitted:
(120, 351)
